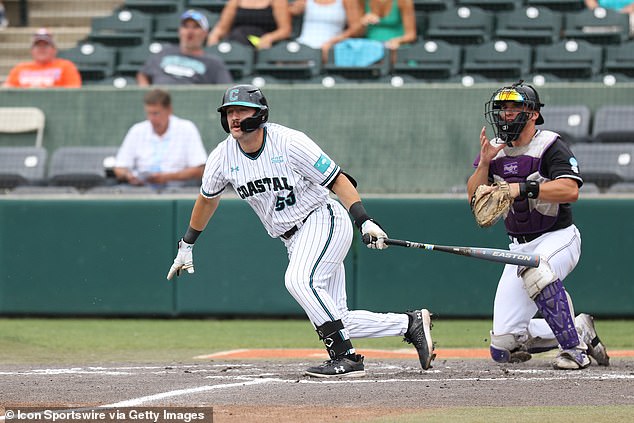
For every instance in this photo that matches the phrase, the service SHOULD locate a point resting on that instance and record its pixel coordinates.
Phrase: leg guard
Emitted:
(552, 300)
(508, 348)
(335, 338)
(553, 304)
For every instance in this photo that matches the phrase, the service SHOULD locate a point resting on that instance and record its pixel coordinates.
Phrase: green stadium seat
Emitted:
(238, 58)
(499, 60)
(428, 60)
(21, 166)
(82, 167)
(572, 122)
(370, 72)
(600, 26)
(620, 59)
(125, 27)
(492, 5)
(614, 124)
(560, 5)
(605, 164)
(215, 6)
(93, 61)
(289, 60)
(432, 5)
(460, 25)
(132, 59)
(155, 6)
(529, 25)
(569, 59)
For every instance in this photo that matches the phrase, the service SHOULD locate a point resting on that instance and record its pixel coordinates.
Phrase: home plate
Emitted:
(295, 353)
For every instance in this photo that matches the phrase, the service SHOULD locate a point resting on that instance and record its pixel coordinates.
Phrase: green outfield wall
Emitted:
(411, 139)
(94, 257)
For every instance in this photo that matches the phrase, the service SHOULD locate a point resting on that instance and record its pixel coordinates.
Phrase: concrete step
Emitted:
(65, 6)
(61, 34)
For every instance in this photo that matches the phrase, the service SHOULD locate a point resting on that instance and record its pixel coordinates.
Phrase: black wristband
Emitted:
(529, 189)
(358, 213)
(191, 235)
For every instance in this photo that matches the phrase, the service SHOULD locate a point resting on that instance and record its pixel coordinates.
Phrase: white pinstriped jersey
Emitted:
(285, 181)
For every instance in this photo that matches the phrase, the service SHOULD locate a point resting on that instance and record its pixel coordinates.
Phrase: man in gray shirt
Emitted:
(186, 63)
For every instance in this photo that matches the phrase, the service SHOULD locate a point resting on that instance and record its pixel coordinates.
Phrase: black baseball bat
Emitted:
(490, 254)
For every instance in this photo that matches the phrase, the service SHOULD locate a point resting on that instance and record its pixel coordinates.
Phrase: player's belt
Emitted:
(288, 234)
(523, 239)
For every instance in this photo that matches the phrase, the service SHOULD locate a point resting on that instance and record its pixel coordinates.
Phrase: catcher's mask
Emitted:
(525, 96)
(248, 96)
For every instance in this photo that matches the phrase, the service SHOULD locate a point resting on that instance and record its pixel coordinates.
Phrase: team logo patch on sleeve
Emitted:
(322, 164)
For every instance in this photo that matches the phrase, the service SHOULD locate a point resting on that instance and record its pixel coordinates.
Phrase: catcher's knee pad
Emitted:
(335, 338)
(537, 278)
(507, 348)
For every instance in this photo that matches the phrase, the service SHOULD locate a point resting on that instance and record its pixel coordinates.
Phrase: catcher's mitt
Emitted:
(489, 205)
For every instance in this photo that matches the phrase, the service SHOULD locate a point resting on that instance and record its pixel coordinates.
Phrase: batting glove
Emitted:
(184, 260)
(373, 235)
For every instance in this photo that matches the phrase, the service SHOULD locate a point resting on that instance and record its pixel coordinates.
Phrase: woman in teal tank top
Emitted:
(390, 21)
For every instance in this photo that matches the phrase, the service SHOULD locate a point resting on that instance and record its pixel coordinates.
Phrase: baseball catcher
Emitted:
(529, 176)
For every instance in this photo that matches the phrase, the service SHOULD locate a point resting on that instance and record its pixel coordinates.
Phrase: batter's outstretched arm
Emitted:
(201, 214)
(373, 234)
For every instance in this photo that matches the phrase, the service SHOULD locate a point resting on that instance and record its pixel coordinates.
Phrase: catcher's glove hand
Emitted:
(490, 203)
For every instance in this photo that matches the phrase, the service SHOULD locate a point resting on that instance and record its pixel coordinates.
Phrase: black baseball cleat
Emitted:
(344, 366)
(419, 334)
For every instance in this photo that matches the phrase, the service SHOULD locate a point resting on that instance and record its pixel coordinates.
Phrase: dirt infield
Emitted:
(244, 389)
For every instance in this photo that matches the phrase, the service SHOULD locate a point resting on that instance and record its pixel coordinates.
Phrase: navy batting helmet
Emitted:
(518, 93)
(248, 96)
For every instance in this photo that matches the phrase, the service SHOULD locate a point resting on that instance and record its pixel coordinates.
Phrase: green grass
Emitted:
(571, 414)
(43, 341)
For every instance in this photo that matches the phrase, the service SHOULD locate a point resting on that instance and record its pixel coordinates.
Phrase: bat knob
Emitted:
(367, 238)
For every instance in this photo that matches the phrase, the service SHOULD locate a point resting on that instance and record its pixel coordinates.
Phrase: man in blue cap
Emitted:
(186, 63)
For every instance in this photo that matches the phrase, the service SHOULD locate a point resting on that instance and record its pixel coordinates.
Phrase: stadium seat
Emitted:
(492, 5)
(500, 60)
(621, 188)
(460, 25)
(605, 164)
(569, 59)
(21, 166)
(131, 59)
(18, 121)
(125, 27)
(238, 58)
(118, 81)
(589, 188)
(599, 26)
(429, 60)
(362, 73)
(571, 122)
(288, 60)
(432, 5)
(620, 59)
(94, 61)
(214, 6)
(529, 25)
(155, 6)
(82, 167)
(614, 124)
(560, 5)
(166, 26)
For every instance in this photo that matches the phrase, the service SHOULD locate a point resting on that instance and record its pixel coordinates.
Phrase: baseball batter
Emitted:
(544, 178)
(286, 177)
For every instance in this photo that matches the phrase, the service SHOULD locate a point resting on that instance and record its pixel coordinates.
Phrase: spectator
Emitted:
(622, 6)
(327, 22)
(186, 63)
(46, 70)
(162, 150)
(392, 22)
(256, 23)
(4, 22)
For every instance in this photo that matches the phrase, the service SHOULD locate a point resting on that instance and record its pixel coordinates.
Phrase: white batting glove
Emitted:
(373, 236)
(184, 260)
